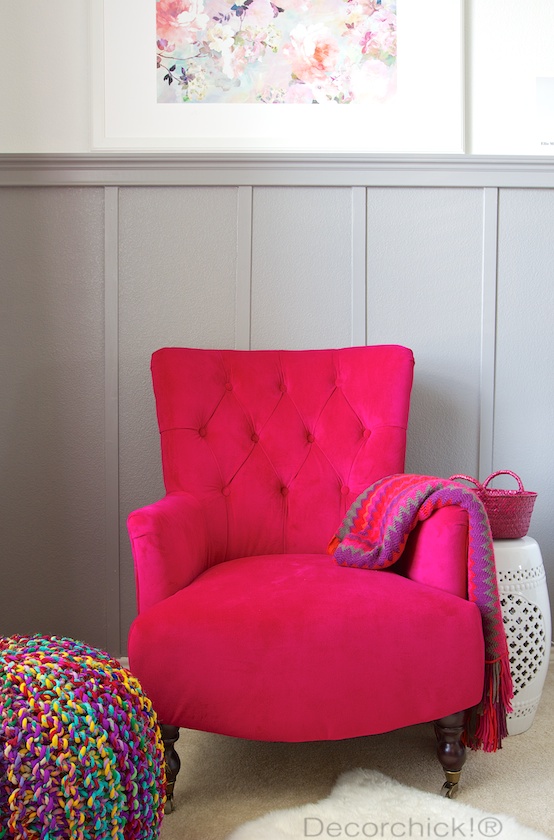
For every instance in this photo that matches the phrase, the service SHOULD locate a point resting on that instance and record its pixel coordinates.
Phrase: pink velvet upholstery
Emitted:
(245, 625)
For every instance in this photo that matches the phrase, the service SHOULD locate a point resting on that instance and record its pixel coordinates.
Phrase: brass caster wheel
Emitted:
(169, 806)
(450, 790)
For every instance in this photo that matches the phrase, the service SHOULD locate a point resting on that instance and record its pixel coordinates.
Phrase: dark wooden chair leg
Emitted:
(170, 734)
(451, 750)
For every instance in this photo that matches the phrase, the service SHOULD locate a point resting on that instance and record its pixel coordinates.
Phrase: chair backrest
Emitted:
(277, 444)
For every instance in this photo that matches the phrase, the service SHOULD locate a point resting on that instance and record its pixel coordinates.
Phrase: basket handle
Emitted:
(505, 472)
(467, 478)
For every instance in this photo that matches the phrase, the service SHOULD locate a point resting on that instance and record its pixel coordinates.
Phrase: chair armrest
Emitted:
(169, 542)
(436, 551)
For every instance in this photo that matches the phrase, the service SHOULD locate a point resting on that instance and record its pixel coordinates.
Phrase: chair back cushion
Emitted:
(276, 445)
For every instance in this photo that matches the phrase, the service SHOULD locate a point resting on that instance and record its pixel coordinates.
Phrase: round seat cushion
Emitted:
(295, 648)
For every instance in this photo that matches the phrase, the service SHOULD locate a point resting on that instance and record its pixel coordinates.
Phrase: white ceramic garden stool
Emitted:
(527, 621)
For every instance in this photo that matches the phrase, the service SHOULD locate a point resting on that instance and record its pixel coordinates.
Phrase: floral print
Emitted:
(290, 51)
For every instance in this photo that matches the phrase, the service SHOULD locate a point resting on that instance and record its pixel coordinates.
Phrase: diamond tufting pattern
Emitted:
(276, 445)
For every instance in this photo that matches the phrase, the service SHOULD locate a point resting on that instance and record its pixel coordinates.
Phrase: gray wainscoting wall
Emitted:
(105, 259)
(52, 510)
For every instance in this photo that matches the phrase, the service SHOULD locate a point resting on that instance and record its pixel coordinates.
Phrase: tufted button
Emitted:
(226, 491)
(284, 491)
(310, 438)
(366, 433)
(202, 431)
(228, 386)
(255, 438)
(282, 388)
(345, 490)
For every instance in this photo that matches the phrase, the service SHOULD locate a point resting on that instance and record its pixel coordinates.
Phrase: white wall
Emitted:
(45, 79)
(509, 46)
(45, 87)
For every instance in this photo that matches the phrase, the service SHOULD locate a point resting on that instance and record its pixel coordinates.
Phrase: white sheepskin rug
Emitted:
(365, 803)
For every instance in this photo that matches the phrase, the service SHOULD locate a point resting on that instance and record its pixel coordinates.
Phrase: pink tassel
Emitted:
(486, 724)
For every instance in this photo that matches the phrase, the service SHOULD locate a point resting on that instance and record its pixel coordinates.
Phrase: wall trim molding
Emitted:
(358, 332)
(243, 299)
(111, 416)
(270, 169)
(488, 332)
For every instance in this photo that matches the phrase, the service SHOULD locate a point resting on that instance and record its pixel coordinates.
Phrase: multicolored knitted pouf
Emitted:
(81, 754)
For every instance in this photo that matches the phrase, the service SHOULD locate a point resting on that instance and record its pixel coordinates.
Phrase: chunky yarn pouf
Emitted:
(81, 754)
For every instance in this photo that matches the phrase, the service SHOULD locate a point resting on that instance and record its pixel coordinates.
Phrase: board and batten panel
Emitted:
(301, 267)
(177, 276)
(424, 253)
(52, 512)
(524, 406)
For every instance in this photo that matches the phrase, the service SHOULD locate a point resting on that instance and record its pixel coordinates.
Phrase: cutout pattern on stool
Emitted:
(524, 625)
(521, 578)
(525, 709)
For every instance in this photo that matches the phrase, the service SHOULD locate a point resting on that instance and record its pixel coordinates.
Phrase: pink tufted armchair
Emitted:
(246, 626)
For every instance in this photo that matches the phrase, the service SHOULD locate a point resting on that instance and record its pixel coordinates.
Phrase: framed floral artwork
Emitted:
(254, 51)
(286, 76)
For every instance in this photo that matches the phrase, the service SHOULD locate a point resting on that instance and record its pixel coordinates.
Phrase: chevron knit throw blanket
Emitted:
(373, 535)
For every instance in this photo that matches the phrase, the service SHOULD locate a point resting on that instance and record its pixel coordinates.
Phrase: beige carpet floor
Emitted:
(226, 781)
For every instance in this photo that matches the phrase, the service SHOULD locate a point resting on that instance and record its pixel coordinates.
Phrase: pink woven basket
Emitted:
(509, 511)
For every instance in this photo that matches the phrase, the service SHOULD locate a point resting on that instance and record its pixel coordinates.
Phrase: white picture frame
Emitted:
(425, 116)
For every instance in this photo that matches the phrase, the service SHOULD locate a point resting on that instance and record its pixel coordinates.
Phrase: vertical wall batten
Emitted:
(359, 266)
(488, 330)
(244, 269)
(111, 416)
